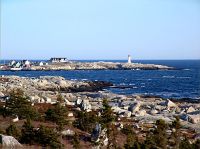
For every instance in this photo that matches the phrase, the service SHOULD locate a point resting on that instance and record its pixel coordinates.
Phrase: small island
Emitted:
(64, 64)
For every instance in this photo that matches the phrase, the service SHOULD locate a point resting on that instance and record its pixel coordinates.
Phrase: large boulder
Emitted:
(190, 109)
(85, 105)
(170, 104)
(9, 142)
(135, 107)
(99, 136)
(194, 118)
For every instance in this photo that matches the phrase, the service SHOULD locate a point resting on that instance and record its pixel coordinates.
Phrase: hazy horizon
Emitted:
(100, 30)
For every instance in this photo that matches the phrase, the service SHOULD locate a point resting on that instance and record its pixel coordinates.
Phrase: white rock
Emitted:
(68, 132)
(85, 105)
(190, 109)
(170, 104)
(70, 114)
(153, 112)
(47, 99)
(15, 119)
(141, 113)
(69, 103)
(79, 101)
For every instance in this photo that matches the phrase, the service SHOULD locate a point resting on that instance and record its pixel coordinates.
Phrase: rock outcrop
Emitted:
(9, 142)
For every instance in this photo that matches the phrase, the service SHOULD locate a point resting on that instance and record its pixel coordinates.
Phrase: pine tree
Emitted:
(12, 130)
(107, 116)
(47, 137)
(176, 135)
(86, 121)
(160, 135)
(18, 104)
(57, 114)
(27, 133)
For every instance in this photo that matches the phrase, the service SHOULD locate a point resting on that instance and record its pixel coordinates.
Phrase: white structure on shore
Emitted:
(59, 60)
(129, 59)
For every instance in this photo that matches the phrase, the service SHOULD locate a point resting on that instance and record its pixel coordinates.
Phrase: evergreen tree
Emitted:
(107, 116)
(176, 135)
(27, 133)
(160, 135)
(13, 131)
(47, 137)
(86, 121)
(18, 104)
(57, 114)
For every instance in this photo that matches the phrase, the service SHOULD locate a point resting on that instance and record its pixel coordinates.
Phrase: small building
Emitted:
(41, 64)
(26, 63)
(12, 63)
(58, 60)
(18, 65)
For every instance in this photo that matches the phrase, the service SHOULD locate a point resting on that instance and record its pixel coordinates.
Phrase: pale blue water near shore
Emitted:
(184, 82)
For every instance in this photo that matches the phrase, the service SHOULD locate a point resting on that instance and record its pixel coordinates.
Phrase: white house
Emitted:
(58, 60)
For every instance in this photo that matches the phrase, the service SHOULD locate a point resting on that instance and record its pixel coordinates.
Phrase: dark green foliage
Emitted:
(47, 137)
(19, 105)
(176, 135)
(57, 114)
(185, 144)
(131, 137)
(107, 115)
(27, 133)
(160, 135)
(76, 141)
(44, 136)
(86, 121)
(12, 130)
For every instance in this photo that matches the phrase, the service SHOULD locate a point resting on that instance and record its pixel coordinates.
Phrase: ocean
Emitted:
(183, 82)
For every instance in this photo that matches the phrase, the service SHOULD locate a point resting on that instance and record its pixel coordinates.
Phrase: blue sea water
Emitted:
(183, 82)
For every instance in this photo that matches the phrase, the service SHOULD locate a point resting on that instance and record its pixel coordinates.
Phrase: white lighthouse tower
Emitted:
(129, 59)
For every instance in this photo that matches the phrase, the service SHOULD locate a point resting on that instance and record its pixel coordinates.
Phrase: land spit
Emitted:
(142, 111)
(99, 66)
(74, 65)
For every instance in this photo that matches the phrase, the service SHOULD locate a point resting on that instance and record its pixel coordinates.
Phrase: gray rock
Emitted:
(135, 107)
(9, 142)
(85, 105)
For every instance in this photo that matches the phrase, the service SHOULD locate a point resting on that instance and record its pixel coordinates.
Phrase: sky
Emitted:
(100, 29)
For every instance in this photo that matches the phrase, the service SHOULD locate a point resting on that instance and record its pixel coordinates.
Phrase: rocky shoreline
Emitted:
(99, 66)
(141, 111)
(90, 66)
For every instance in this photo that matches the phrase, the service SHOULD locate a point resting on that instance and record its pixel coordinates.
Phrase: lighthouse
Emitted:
(129, 59)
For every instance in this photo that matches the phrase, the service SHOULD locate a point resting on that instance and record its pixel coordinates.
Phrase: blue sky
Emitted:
(100, 29)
